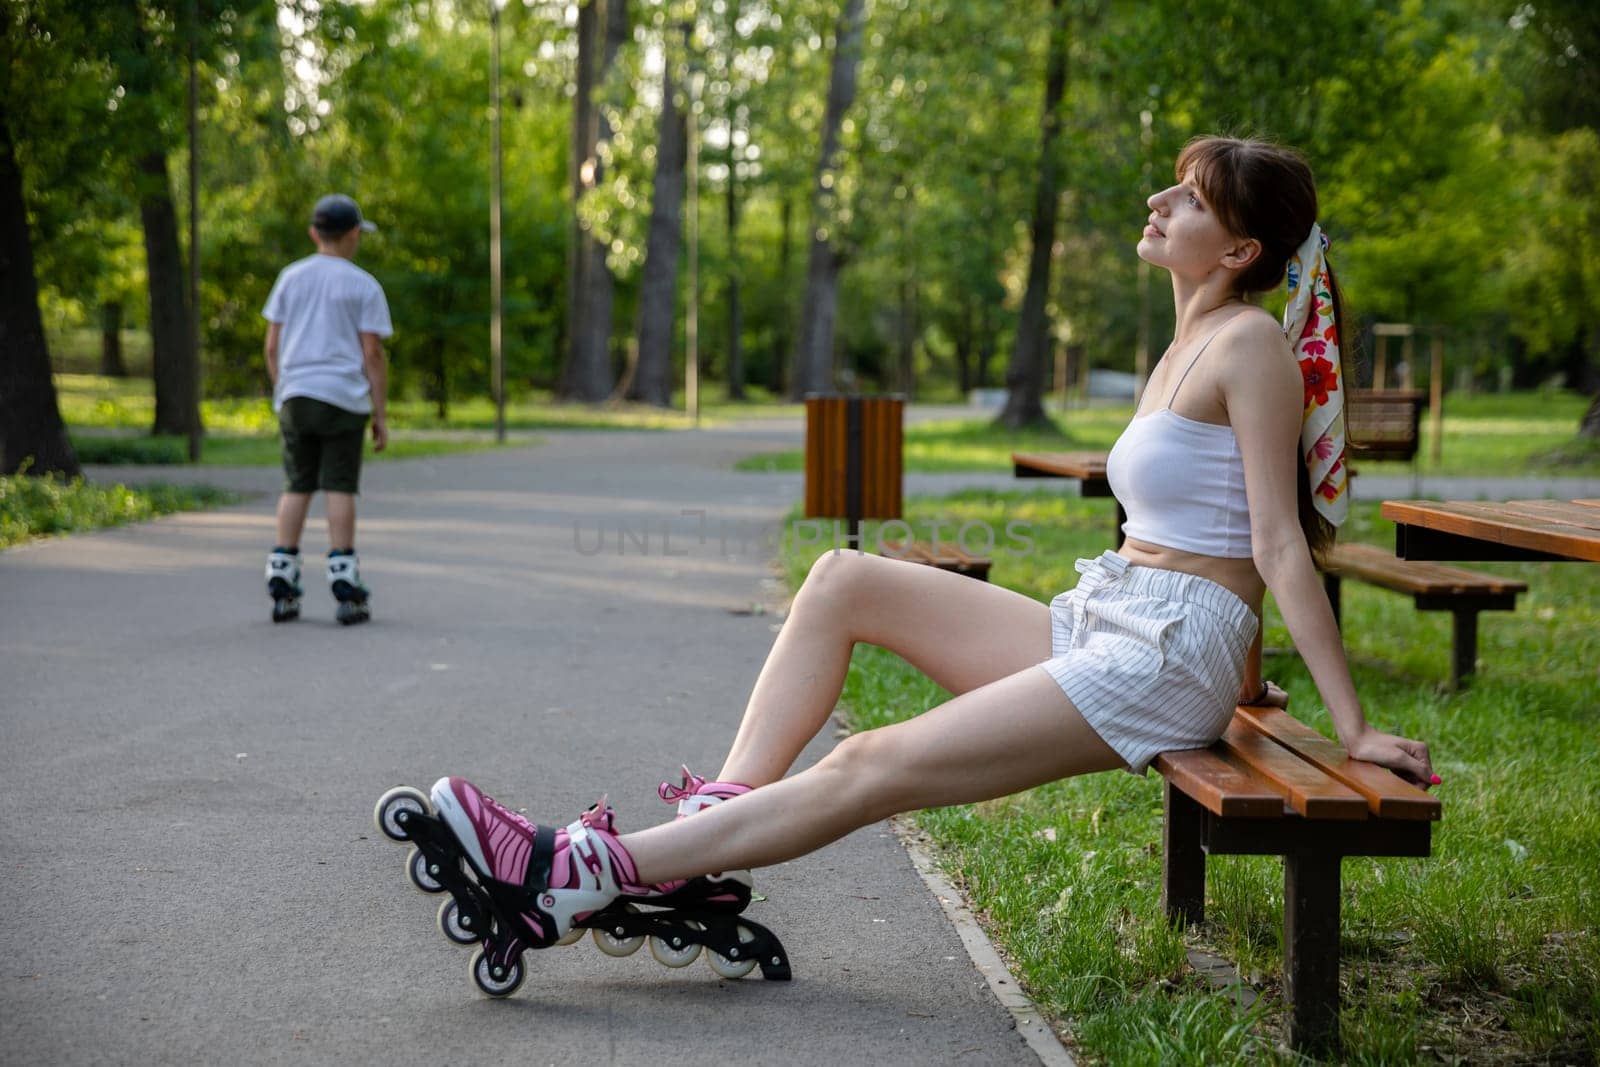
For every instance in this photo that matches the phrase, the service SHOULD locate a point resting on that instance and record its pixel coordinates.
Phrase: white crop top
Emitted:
(1182, 482)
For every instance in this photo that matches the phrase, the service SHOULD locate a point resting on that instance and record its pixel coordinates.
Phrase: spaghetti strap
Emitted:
(1184, 377)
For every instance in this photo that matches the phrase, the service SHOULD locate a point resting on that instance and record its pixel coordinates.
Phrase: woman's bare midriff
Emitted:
(1238, 576)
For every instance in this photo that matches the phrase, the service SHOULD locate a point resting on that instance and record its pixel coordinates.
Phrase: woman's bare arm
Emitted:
(1264, 395)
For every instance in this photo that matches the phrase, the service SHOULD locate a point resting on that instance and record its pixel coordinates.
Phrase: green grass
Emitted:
(95, 401)
(108, 415)
(39, 507)
(1487, 435)
(1488, 951)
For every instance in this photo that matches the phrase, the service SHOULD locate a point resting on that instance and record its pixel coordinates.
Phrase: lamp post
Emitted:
(496, 166)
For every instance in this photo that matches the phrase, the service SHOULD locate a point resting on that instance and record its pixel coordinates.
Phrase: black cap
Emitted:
(336, 214)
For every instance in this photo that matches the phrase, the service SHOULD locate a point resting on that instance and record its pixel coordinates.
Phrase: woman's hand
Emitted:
(1407, 758)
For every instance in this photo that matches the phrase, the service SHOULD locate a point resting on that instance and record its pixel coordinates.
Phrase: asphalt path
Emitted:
(192, 873)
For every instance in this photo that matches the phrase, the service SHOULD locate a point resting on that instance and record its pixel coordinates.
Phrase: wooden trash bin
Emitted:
(853, 458)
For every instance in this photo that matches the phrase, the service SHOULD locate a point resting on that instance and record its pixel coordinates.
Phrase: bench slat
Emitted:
(1369, 563)
(1311, 792)
(1388, 796)
(1219, 786)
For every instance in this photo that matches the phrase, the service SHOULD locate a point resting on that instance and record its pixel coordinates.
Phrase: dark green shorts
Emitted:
(321, 446)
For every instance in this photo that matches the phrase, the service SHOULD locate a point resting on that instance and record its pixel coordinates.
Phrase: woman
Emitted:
(1231, 473)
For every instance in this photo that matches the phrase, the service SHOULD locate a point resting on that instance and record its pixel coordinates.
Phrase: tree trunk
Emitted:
(988, 344)
(111, 362)
(735, 365)
(31, 430)
(964, 345)
(1025, 375)
(658, 287)
(172, 361)
(1590, 426)
(586, 371)
(781, 345)
(813, 358)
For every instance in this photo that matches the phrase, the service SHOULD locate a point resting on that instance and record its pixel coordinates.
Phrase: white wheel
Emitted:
(423, 872)
(456, 926)
(495, 981)
(675, 955)
(734, 968)
(394, 807)
(613, 944)
(572, 936)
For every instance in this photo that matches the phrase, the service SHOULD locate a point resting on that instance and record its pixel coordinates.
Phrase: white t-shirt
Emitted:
(324, 304)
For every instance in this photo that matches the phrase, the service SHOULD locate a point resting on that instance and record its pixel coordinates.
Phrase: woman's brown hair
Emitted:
(1265, 192)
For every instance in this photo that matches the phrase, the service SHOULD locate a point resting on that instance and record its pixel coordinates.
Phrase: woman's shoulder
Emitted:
(1255, 325)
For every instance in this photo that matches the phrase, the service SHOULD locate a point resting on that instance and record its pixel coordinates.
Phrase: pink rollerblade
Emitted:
(514, 885)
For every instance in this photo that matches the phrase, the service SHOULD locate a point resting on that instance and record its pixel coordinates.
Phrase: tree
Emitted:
(32, 435)
(586, 375)
(813, 369)
(651, 377)
(1025, 375)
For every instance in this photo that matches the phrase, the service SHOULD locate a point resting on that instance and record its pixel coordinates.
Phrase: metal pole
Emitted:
(691, 323)
(194, 233)
(496, 309)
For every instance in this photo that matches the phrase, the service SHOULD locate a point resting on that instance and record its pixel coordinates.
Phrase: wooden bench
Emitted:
(1274, 786)
(1384, 423)
(948, 557)
(1088, 469)
(1434, 586)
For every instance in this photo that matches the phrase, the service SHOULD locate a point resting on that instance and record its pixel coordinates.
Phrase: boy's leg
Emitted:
(340, 475)
(1010, 735)
(961, 633)
(341, 520)
(292, 508)
(302, 457)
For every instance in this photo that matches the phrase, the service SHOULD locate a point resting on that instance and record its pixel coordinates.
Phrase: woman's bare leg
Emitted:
(961, 633)
(1009, 735)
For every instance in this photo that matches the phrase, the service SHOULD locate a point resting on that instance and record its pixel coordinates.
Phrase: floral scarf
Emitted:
(1314, 338)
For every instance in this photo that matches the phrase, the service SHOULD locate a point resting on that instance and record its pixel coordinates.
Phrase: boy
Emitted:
(326, 322)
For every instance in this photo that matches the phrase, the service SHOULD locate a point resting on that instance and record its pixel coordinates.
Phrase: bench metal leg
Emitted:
(1311, 949)
(1183, 865)
(1465, 659)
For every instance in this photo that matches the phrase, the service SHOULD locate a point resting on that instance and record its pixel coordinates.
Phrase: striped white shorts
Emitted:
(1153, 659)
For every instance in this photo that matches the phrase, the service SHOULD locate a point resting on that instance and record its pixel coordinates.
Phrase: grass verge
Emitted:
(33, 507)
(1487, 952)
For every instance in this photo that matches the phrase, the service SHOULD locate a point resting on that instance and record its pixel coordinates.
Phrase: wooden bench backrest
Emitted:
(1384, 423)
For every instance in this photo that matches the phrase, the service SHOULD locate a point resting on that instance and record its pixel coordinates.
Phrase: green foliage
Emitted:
(39, 507)
(1454, 145)
(1483, 952)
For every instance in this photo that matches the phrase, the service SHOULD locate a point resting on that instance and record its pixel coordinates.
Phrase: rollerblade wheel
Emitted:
(496, 980)
(395, 807)
(571, 937)
(733, 968)
(614, 944)
(459, 926)
(671, 954)
(423, 872)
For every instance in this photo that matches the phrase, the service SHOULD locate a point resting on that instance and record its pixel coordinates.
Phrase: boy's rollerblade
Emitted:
(283, 584)
(344, 579)
(729, 891)
(515, 886)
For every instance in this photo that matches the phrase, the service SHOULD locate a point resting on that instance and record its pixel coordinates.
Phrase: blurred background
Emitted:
(929, 197)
